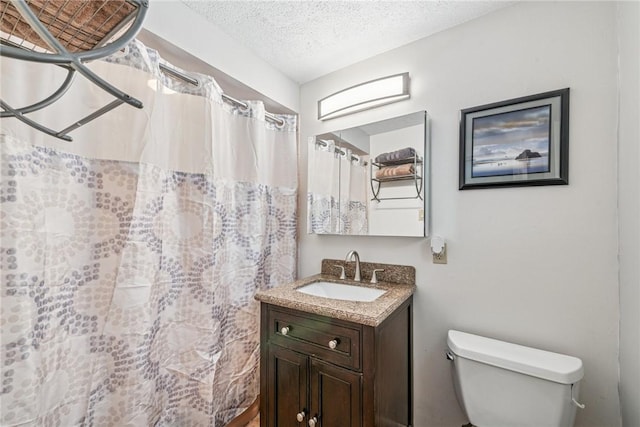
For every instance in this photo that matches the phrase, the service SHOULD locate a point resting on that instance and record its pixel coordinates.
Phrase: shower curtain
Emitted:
(337, 192)
(129, 258)
(323, 194)
(353, 194)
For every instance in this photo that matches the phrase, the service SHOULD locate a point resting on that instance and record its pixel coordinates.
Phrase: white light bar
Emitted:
(363, 96)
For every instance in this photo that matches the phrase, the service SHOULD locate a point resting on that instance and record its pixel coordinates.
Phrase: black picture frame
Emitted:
(519, 142)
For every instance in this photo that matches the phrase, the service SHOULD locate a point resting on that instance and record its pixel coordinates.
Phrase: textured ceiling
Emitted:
(308, 39)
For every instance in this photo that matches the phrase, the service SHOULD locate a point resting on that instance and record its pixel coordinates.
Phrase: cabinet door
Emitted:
(288, 383)
(335, 395)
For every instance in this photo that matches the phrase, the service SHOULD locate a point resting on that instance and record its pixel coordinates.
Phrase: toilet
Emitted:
(500, 384)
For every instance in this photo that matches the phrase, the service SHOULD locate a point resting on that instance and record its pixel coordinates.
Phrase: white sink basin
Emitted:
(341, 291)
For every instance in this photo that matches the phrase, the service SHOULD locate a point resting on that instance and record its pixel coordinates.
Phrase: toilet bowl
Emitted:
(500, 384)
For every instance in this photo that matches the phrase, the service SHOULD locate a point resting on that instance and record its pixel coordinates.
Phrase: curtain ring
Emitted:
(279, 122)
(243, 107)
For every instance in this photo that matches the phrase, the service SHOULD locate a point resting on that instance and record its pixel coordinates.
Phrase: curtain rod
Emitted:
(340, 150)
(195, 82)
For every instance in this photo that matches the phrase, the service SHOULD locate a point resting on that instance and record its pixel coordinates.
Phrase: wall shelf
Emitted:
(415, 177)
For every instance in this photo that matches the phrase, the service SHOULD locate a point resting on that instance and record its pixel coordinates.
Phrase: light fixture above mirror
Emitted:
(364, 96)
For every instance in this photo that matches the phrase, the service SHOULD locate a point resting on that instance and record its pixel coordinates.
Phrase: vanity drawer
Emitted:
(313, 335)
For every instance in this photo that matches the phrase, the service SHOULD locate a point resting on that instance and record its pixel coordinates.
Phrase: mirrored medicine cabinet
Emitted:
(371, 179)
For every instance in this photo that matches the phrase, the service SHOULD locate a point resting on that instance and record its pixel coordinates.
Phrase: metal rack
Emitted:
(84, 31)
(416, 177)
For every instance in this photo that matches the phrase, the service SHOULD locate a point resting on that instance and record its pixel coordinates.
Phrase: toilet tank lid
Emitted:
(543, 364)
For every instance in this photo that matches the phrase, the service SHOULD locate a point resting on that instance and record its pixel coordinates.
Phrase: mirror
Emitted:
(370, 180)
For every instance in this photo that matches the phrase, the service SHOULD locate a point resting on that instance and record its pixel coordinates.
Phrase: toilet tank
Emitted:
(503, 384)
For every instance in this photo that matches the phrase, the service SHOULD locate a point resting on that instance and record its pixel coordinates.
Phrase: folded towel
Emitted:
(394, 171)
(404, 153)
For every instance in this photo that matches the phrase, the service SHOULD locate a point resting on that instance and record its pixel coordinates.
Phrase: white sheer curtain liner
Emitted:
(252, 158)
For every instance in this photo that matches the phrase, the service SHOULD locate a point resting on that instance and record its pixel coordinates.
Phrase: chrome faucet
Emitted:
(350, 257)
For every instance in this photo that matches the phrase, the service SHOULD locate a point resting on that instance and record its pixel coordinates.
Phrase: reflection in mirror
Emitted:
(371, 179)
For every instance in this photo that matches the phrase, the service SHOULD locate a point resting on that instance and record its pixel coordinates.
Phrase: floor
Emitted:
(254, 422)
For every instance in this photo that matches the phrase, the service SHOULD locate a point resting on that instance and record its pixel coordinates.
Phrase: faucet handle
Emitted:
(343, 276)
(374, 278)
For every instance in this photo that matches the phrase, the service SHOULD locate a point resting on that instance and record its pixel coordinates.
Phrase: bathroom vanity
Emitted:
(336, 363)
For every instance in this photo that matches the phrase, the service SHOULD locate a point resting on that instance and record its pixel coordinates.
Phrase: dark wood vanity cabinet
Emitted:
(289, 372)
(333, 372)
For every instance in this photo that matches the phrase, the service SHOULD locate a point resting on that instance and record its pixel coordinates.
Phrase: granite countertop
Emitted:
(367, 313)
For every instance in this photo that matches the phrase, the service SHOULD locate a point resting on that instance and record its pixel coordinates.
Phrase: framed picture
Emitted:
(522, 141)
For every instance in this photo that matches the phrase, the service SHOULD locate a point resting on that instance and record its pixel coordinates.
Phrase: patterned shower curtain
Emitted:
(129, 258)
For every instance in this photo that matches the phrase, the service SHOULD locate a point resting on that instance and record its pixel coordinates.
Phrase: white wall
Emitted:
(629, 205)
(175, 22)
(357, 138)
(535, 265)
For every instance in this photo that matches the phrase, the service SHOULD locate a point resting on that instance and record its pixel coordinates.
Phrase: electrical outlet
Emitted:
(440, 258)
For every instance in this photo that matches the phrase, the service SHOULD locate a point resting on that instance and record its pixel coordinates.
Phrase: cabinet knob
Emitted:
(300, 416)
(313, 421)
(333, 344)
(285, 330)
